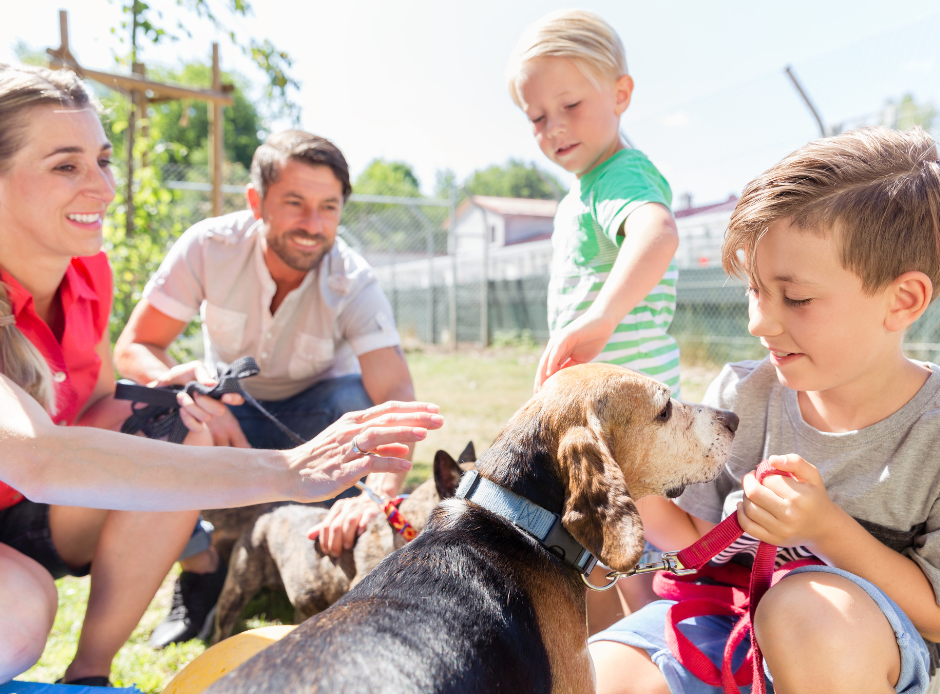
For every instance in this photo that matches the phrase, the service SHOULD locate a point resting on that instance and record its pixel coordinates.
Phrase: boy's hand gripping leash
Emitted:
(736, 594)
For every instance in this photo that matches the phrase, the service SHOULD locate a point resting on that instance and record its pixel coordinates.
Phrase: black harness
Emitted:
(160, 416)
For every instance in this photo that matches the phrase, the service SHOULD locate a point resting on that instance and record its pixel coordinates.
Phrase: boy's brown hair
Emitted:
(879, 189)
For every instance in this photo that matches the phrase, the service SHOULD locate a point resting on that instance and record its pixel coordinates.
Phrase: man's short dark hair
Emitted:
(299, 146)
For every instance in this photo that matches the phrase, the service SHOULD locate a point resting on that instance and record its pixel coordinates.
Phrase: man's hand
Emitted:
(182, 374)
(346, 521)
(225, 429)
(784, 511)
(577, 343)
(203, 411)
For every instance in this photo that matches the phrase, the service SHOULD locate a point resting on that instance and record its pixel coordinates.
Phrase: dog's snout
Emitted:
(729, 419)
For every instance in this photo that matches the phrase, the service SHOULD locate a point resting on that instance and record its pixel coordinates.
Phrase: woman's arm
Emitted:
(80, 466)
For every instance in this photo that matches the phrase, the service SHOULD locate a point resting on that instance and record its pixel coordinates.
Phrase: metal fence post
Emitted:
(485, 283)
(452, 293)
(430, 307)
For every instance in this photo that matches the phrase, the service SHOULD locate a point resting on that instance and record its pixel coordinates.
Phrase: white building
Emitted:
(518, 233)
(701, 231)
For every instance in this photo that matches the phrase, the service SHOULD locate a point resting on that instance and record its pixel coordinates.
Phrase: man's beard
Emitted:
(293, 257)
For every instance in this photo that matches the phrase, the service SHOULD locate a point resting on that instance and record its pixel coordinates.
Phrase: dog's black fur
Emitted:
(450, 600)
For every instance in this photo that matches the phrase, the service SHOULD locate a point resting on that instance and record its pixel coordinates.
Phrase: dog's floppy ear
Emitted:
(598, 510)
(446, 474)
(469, 454)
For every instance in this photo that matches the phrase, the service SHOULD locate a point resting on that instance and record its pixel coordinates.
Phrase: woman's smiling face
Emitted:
(56, 188)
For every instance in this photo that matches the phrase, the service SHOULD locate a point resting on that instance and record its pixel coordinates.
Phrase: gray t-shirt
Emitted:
(886, 476)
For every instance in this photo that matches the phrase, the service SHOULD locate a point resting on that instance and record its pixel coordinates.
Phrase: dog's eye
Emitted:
(667, 412)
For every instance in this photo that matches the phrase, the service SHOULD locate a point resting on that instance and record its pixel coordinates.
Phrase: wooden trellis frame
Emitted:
(142, 92)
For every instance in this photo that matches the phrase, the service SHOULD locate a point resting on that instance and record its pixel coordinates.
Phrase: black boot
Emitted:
(193, 608)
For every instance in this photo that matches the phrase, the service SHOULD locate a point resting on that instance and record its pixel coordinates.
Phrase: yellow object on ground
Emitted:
(222, 658)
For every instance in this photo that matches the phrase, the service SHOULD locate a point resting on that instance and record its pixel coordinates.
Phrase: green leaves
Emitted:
(276, 65)
(515, 179)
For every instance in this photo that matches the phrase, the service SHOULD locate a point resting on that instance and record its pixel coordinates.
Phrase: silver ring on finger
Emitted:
(358, 451)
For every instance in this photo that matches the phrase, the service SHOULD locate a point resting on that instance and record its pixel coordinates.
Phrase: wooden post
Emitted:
(143, 103)
(216, 127)
(132, 107)
(64, 33)
(129, 145)
(140, 93)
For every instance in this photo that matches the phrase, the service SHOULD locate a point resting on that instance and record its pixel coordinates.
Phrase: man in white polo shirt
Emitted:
(275, 283)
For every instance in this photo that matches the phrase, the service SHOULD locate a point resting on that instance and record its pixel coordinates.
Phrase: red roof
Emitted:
(728, 204)
(512, 207)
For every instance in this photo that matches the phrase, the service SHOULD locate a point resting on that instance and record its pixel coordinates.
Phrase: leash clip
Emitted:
(670, 562)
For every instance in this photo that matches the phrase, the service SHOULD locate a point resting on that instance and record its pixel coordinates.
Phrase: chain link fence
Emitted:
(449, 281)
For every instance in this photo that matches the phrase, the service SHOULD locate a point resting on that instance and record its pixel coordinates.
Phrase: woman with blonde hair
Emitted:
(55, 301)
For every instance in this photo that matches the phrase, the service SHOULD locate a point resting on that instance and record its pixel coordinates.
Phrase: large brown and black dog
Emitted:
(475, 604)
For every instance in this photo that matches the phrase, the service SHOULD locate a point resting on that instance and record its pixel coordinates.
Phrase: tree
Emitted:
(153, 212)
(144, 21)
(907, 113)
(514, 179)
(382, 177)
(186, 123)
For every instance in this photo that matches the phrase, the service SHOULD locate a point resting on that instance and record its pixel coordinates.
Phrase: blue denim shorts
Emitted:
(646, 629)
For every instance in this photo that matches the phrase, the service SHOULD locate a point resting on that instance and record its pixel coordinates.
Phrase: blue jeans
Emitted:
(306, 414)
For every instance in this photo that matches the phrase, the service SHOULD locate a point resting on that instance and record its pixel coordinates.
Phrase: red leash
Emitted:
(737, 593)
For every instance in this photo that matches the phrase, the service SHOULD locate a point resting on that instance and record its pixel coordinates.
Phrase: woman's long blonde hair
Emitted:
(20, 361)
(23, 88)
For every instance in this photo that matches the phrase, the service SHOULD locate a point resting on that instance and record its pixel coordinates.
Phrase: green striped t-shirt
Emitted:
(585, 243)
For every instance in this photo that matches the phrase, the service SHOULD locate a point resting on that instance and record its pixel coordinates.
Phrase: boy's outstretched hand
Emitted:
(788, 512)
(577, 343)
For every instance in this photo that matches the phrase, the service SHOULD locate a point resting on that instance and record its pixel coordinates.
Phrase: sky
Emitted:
(422, 81)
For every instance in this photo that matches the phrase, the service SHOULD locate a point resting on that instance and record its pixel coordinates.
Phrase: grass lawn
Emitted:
(478, 390)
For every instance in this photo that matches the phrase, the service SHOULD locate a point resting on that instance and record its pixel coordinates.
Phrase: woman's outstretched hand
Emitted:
(327, 465)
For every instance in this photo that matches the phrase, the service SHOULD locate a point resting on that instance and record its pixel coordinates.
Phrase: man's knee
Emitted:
(827, 624)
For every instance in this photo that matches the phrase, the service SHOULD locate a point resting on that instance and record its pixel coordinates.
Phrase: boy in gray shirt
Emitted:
(840, 244)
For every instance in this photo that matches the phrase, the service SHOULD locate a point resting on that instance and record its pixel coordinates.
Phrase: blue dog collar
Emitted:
(538, 522)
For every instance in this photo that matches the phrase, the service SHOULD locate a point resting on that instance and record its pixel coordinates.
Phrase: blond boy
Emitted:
(840, 245)
(612, 293)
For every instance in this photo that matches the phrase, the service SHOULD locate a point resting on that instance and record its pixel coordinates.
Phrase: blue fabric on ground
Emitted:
(15, 687)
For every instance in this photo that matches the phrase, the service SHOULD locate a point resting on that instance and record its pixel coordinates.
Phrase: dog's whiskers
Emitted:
(737, 458)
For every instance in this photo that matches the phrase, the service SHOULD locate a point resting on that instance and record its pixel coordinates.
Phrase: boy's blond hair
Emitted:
(879, 189)
(579, 35)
